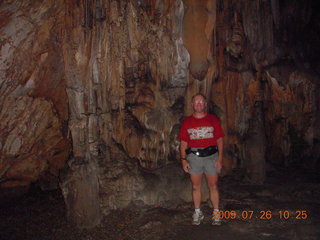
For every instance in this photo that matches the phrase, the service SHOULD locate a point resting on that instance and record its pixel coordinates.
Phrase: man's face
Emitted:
(199, 104)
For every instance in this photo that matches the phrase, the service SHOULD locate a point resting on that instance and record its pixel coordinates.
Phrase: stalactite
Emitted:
(88, 14)
(100, 13)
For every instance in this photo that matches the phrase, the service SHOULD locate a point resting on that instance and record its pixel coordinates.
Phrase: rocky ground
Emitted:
(285, 207)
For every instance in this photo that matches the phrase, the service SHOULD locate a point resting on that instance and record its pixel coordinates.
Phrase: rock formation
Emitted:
(109, 82)
(33, 101)
(259, 64)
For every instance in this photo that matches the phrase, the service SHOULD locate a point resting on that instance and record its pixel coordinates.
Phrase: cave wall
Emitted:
(126, 82)
(267, 91)
(132, 66)
(113, 79)
(33, 99)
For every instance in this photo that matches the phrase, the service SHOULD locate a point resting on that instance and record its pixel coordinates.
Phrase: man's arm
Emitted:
(183, 157)
(220, 149)
(183, 147)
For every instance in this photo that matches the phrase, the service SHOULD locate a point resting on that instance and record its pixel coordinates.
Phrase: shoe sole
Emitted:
(198, 223)
(216, 223)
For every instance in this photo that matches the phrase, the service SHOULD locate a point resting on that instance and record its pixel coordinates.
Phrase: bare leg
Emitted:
(212, 181)
(196, 180)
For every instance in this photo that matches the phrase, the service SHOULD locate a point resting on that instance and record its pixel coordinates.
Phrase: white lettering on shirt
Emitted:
(200, 133)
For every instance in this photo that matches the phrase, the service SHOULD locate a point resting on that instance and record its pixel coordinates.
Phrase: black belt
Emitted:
(203, 152)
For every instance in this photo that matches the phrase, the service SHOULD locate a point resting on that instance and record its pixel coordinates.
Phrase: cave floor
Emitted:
(285, 207)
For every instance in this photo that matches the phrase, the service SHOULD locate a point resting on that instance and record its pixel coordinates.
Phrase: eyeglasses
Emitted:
(199, 102)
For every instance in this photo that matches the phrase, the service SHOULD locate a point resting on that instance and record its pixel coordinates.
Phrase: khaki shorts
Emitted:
(200, 165)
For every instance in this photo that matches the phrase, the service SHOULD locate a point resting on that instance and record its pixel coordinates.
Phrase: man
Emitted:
(200, 139)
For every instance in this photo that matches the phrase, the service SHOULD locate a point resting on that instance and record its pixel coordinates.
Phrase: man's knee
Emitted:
(213, 187)
(196, 188)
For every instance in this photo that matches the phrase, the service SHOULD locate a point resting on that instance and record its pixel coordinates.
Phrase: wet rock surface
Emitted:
(42, 215)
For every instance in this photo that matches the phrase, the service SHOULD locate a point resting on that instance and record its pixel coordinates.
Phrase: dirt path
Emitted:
(250, 229)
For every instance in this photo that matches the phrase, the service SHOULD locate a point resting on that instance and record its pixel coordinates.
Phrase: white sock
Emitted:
(197, 210)
(218, 218)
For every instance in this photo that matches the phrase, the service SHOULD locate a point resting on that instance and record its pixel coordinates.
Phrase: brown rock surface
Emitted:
(196, 17)
(33, 99)
(115, 79)
(33, 142)
(127, 106)
(258, 65)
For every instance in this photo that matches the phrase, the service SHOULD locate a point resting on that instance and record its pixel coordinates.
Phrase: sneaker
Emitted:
(197, 218)
(216, 222)
(216, 219)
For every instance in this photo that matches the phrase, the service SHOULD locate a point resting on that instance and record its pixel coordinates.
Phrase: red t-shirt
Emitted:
(201, 132)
